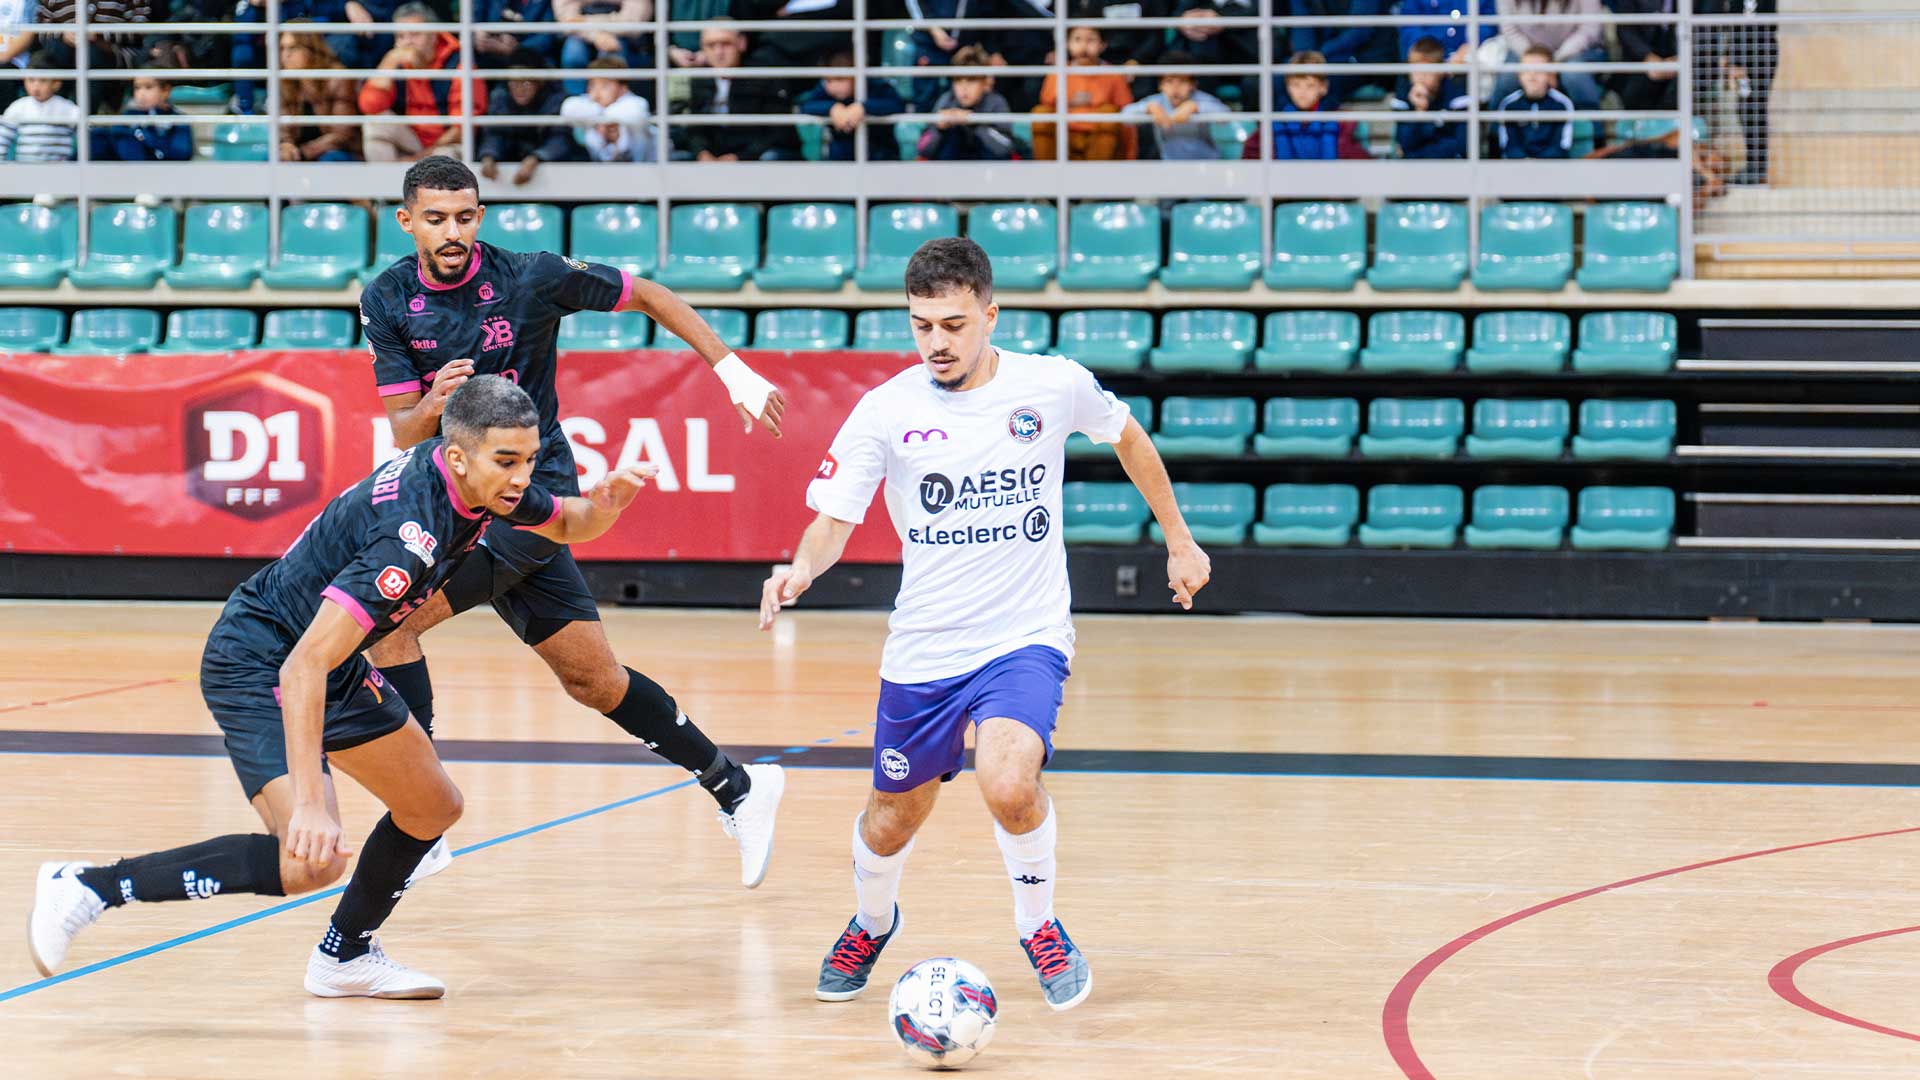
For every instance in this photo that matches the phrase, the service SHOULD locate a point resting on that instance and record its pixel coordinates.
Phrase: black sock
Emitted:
(649, 714)
(379, 878)
(416, 688)
(241, 863)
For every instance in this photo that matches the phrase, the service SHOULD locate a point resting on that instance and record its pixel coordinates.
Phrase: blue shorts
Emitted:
(923, 726)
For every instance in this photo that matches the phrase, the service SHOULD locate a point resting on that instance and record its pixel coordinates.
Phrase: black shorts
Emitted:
(243, 693)
(536, 586)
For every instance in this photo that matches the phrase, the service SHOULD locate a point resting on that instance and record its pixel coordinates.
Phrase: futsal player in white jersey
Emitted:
(970, 445)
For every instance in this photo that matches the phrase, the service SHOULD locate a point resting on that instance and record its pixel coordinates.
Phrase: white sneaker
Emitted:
(437, 858)
(62, 907)
(375, 975)
(751, 823)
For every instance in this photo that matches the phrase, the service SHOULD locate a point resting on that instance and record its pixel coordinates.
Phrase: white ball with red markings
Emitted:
(942, 1010)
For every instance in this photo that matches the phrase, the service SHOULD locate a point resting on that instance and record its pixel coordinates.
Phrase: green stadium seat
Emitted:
(1230, 138)
(1307, 515)
(1217, 513)
(894, 232)
(38, 244)
(711, 246)
(800, 329)
(1111, 245)
(1105, 339)
(810, 247)
(626, 235)
(31, 329)
(1425, 342)
(128, 247)
(1203, 340)
(1103, 513)
(1308, 341)
(209, 330)
(1022, 241)
(1518, 517)
(239, 142)
(1308, 428)
(111, 332)
(1626, 343)
(1525, 245)
(1630, 246)
(1079, 446)
(729, 323)
(1412, 516)
(1519, 343)
(322, 246)
(1413, 428)
(1583, 139)
(883, 331)
(897, 49)
(309, 328)
(1519, 430)
(1632, 430)
(1212, 245)
(1193, 427)
(525, 227)
(390, 244)
(605, 331)
(1318, 245)
(214, 94)
(1419, 246)
(1024, 330)
(225, 246)
(1624, 518)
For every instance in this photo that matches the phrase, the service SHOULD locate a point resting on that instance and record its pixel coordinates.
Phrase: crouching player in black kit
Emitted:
(284, 678)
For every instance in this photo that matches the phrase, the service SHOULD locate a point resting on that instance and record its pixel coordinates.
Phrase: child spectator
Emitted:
(423, 50)
(1565, 42)
(1176, 132)
(1428, 93)
(951, 137)
(152, 94)
(1308, 140)
(534, 143)
(1536, 138)
(1102, 93)
(587, 44)
(833, 99)
(610, 121)
(40, 126)
(304, 50)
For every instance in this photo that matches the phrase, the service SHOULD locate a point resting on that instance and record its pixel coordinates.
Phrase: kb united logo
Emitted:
(1024, 424)
(936, 492)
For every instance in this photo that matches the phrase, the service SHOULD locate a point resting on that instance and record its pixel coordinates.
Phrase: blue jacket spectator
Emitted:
(152, 95)
(1449, 25)
(1416, 107)
(836, 93)
(496, 50)
(1537, 138)
(1344, 44)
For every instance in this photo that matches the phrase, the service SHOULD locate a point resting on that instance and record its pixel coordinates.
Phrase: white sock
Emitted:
(1030, 867)
(876, 883)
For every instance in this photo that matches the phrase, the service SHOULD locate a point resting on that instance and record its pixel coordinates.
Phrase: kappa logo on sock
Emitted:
(199, 888)
(1029, 879)
(894, 764)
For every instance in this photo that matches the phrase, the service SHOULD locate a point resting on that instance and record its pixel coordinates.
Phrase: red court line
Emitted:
(1394, 1019)
(1781, 980)
(88, 694)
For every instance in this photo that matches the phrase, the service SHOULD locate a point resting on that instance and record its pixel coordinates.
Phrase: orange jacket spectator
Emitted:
(1087, 141)
(425, 97)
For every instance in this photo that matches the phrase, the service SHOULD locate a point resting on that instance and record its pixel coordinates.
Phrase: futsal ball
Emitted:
(942, 1010)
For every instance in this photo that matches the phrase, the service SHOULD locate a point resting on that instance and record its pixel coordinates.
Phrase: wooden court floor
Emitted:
(1290, 848)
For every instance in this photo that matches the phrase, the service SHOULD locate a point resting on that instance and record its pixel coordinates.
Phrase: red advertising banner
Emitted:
(233, 454)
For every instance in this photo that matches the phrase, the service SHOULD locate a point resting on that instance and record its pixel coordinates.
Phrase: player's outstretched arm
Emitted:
(754, 398)
(313, 833)
(416, 417)
(820, 547)
(587, 517)
(1188, 568)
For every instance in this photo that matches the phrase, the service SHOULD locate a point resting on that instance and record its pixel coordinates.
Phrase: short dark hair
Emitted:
(1428, 45)
(437, 173)
(947, 264)
(159, 71)
(1178, 58)
(42, 60)
(1537, 49)
(485, 402)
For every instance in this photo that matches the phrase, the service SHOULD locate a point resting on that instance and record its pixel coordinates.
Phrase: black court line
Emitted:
(1406, 766)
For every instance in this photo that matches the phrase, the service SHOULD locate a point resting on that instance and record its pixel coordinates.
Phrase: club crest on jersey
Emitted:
(419, 541)
(828, 466)
(1024, 424)
(417, 304)
(894, 764)
(575, 263)
(393, 582)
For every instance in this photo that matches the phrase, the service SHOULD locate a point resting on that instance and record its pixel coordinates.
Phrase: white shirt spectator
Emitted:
(39, 130)
(630, 111)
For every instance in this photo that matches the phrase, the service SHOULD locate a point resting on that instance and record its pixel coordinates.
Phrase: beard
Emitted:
(433, 265)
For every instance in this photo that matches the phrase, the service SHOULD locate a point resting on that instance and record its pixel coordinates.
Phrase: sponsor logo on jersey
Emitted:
(486, 290)
(936, 492)
(828, 466)
(424, 343)
(923, 435)
(393, 582)
(1024, 424)
(1037, 522)
(498, 334)
(981, 490)
(575, 263)
(257, 445)
(419, 541)
(894, 764)
(417, 305)
(973, 534)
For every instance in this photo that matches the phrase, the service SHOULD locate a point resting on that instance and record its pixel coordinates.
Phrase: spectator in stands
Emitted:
(15, 48)
(152, 94)
(1346, 44)
(1308, 140)
(1537, 138)
(360, 50)
(950, 137)
(496, 49)
(1449, 26)
(40, 126)
(106, 51)
(305, 50)
(583, 46)
(723, 48)
(834, 99)
(1017, 48)
(1105, 92)
(423, 50)
(187, 51)
(1127, 45)
(1578, 42)
(933, 44)
(534, 143)
(1425, 95)
(1178, 134)
(1739, 61)
(1650, 43)
(794, 48)
(611, 122)
(1211, 43)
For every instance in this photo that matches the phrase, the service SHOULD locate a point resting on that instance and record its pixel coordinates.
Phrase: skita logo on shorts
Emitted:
(393, 582)
(936, 492)
(1024, 424)
(894, 764)
(419, 541)
(257, 445)
(1037, 523)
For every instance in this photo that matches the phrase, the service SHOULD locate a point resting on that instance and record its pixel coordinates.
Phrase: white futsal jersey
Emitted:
(973, 485)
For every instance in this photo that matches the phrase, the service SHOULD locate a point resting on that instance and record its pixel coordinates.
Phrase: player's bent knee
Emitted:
(298, 876)
(598, 690)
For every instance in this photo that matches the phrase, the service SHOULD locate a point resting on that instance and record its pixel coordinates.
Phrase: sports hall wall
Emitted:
(1645, 358)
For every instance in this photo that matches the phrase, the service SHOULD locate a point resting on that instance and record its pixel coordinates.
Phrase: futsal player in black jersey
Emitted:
(284, 677)
(459, 307)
